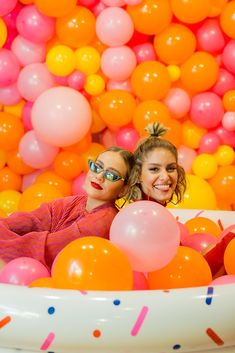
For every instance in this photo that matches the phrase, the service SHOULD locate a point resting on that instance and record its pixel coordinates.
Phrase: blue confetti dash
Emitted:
(51, 310)
(117, 302)
(210, 291)
(177, 346)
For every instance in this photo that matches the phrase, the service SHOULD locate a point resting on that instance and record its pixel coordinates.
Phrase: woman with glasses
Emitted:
(42, 233)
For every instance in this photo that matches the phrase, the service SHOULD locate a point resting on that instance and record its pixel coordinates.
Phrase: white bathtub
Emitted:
(198, 319)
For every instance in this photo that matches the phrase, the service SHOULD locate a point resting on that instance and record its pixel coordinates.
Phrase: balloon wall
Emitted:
(79, 76)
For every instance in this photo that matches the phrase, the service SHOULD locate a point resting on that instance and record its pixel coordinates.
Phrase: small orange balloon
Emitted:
(9, 180)
(11, 131)
(229, 256)
(150, 80)
(192, 134)
(203, 225)
(187, 269)
(200, 72)
(68, 165)
(17, 165)
(3, 158)
(227, 20)
(92, 263)
(76, 29)
(191, 11)
(51, 178)
(117, 107)
(229, 100)
(175, 44)
(54, 8)
(174, 134)
(44, 282)
(93, 152)
(98, 123)
(223, 183)
(81, 146)
(217, 7)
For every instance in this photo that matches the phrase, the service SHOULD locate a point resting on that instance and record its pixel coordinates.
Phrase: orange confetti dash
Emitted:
(5, 321)
(211, 333)
(220, 224)
(96, 333)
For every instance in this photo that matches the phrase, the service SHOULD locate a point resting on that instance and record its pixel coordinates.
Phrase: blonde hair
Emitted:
(145, 146)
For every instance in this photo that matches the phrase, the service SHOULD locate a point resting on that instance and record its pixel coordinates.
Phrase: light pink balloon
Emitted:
(78, 185)
(183, 231)
(140, 281)
(206, 110)
(226, 279)
(114, 26)
(224, 83)
(147, 233)
(76, 80)
(7, 6)
(226, 137)
(61, 116)
(210, 37)
(10, 18)
(9, 67)
(28, 52)
(26, 116)
(10, 95)
(118, 63)
(33, 80)
(186, 156)
(228, 121)
(118, 3)
(108, 138)
(127, 137)
(98, 8)
(122, 85)
(199, 241)
(34, 25)
(22, 271)
(178, 102)
(35, 152)
(144, 52)
(228, 56)
(29, 179)
(133, 2)
(209, 143)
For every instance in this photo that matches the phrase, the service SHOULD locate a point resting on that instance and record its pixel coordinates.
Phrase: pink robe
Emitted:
(44, 232)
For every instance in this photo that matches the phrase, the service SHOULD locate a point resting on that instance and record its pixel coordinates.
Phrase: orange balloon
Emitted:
(223, 183)
(37, 194)
(227, 20)
(81, 146)
(174, 134)
(192, 134)
(217, 7)
(229, 255)
(150, 111)
(76, 29)
(200, 72)
(191, 11)
(44, 282)
(51, 178)
(175, 44)
(151, 16)
(92, 153)
(9, 180)
(150, 80)
(68, 165)
(11, 131)
(54, 8)
(229, 100)
(117, 107)
(187, 269)
(17, 165)
(98, 123)
(3, 158)
(203, 225)
(92, 263)
(26, 2)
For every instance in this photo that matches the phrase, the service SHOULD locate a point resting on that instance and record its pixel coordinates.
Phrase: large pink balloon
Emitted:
(178, 102)
(22, 271)
(28, 52)
(9, 67)
(10, 95)
(61, 116)
(147, 233)
(7, 6)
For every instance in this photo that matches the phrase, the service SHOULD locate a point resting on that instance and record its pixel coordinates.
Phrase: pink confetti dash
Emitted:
(139, 320)
(199, 213)
(83, 292)
(46, 344)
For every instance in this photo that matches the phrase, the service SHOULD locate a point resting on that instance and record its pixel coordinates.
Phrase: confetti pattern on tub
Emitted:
(139, 321)
(51, 310)
(96, 333)
(48, 341)
(5, 321)
(210, 291)
(177, 346)
(215, 338)
(117, 302)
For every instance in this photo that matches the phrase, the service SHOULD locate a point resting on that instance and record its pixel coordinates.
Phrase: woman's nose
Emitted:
(163, 174)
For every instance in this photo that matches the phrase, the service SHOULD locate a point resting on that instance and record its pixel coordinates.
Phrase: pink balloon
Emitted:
(183, 231)
(10, 17)
(7, 6)
(28, 52)
(127, 137)
(118, 63)
(178, 102)
(199, 241)
(108, 138)
(118, 3)
(114, 26)
(34, 25)
(36, 153)
(10, 95)
(98, 8)
(224, 83)
(33, 80)
(76, 80)
(26, 116)
(140, 281)
(78, 185)
(29, 179)
(226, 137)
(186, 156)
(144, 52)
(122, 85)
(9, 67)
(206, 110)
(228, 121)
(226, 279)
(88, 3)
(61, 116)
(147, 233)
(209, 143)
(228, 56)
(210, 37)
(22, 271)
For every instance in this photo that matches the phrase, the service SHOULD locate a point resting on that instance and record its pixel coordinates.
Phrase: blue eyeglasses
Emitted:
(107, 174)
